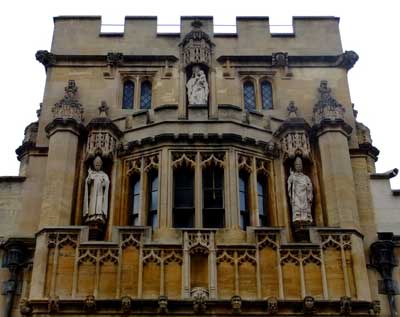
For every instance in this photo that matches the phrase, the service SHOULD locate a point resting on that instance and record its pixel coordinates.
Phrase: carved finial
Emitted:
(69, 107)
(196, 24)
(292, 110)
(103, 109)
(327, 108)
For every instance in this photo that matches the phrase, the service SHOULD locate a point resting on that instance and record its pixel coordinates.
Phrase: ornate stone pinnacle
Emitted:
(292, 110)
(103, 109)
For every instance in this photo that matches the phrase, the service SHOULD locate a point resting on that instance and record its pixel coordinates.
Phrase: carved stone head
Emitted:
(272, 305)
(90, 303)
(25, 307)
(126, 304)
(298, 165)
(97, 163)
(236, 303)
(52, 304)
(345, 305)
(308, 304)
(163, 305)
(375, 308)
(200, 297)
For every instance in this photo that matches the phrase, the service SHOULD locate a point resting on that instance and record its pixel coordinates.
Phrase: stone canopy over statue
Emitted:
(197, 87)
(300, 192)
(95, 206)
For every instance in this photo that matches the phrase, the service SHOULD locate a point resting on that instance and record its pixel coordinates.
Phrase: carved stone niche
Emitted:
(103, 136)
(294, 135)
(196, 46)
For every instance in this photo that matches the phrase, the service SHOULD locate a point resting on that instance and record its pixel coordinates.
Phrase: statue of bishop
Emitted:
(300, 191)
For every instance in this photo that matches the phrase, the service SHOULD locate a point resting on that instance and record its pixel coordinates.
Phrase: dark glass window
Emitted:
(249, 96)
(183, 198)
(135, 201)
(213, 198)
(128, 95)
(266, 95)
(153, 200)
(145, 95)
(262, 200)
(244, 200)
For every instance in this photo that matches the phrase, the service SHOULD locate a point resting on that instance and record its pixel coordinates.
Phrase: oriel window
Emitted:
(213, 197)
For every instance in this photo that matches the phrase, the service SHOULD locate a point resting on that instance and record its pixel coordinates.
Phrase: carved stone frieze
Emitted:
(69, 107)
(196, 46)
(327, 108)
(46, 58)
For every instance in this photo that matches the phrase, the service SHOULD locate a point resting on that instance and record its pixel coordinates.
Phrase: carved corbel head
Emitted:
(126, 304)
(272, 305)
(53, 304)
(163, 304)
(236, 303)
(308, 305)
(345, 305)
(90, 303)
(25, 307)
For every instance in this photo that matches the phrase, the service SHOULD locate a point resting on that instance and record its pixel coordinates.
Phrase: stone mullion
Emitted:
(258, 272)
(113, 199)
(119, 273)
(254, 219)
(182, 95)
(344, 268)
(140, 270)
(136, 105)
(54, 271)
(235, 256)
(280, 273)
(186, 267)
(143, 193)
(198, 196)
(360, 268)
(323, 276)
(213, 106)
(257, 93)
(164, 191)
(75, 274)
(212, 264)
(97, 276)
(232, 208)
(302, 279)
(162, 273)
(226, 193)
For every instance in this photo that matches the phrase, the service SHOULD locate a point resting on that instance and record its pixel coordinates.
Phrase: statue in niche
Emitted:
(95, 205)
(197, 87)
(300, 191)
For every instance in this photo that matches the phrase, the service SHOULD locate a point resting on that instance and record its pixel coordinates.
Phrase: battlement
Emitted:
(317, 35)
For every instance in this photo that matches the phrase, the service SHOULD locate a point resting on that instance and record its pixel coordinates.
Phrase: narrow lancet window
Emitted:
(135, 201)
(213, 198)
(145, 95)
(183, 216)
(128, 95)
(249, 96)
(262, 200)
(153, 200)
(266, 95)
(244, 219)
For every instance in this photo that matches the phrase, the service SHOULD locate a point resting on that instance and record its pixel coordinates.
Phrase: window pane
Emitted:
(136, 204)
(153, 199)
(249, 96)
(184, 184)
(135, 220)
(183, 218)
(145, 95)
(213, 218)
(128, 95)
(266, 95)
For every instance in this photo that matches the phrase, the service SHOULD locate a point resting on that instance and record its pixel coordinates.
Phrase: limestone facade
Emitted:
(198, 217)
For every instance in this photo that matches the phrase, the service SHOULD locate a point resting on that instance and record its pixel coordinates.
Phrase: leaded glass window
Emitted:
(243, 200)
(135, 194)
(266, 95)
(262, 200)
(128, 95)
(249, 96)
(145, 95)
(213, 198)
(153, 200)
(183, 198)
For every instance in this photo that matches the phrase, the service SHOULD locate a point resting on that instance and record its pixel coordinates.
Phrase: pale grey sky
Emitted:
(370, 28)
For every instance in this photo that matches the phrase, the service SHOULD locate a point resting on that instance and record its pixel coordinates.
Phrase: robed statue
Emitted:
(197, 87)
(300, 191)
(95, 206)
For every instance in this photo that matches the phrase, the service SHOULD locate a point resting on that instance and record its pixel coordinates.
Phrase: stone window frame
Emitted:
(137, 77)
(138, 165)
(257, 81)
